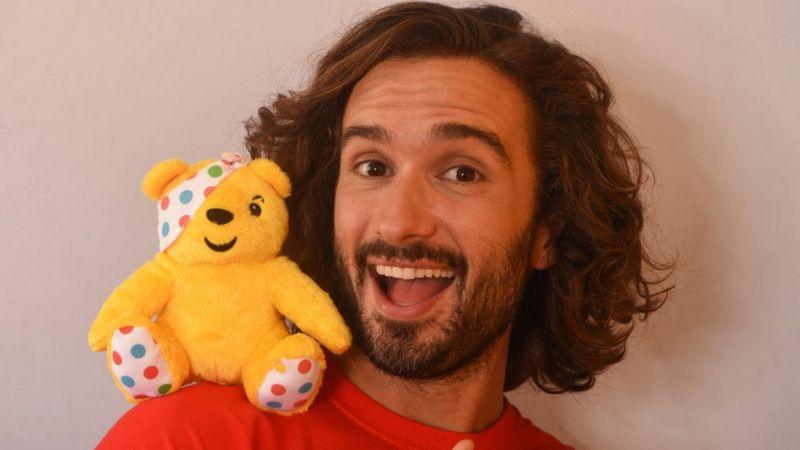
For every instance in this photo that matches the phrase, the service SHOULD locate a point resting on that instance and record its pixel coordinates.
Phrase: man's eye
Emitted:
(463, 174)
(371, 168)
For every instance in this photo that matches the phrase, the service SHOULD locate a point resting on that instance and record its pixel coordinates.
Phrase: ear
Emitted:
(272, 174)
(544, 253)
(160, 175)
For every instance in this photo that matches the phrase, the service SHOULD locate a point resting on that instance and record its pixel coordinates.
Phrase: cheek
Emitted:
(473, 220)
(482, 230)
(349, 217)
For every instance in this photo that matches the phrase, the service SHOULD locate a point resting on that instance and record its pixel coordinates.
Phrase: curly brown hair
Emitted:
(574, 318)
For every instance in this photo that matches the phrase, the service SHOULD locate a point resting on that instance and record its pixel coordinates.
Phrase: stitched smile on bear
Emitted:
(220, 247)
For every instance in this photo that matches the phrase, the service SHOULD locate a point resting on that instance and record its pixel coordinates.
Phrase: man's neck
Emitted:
(468, 401)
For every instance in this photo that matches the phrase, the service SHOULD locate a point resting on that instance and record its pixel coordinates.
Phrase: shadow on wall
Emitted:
(628, 401)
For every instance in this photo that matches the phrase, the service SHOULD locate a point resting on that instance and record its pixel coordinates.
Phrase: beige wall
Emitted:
(94, 92)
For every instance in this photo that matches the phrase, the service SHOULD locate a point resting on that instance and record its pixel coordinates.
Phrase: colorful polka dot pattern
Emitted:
(291, 389)
(137, 362)
(177, 208)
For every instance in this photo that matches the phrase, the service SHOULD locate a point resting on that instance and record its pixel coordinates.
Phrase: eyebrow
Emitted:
(438, 132)
(258, 197)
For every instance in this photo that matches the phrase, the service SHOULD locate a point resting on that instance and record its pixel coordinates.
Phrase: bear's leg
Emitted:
(284, 377)
(146, 360)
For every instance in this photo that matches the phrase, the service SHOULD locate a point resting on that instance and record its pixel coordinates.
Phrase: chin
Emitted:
(418, 342)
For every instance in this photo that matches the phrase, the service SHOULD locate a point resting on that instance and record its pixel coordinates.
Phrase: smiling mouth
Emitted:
(220, 247)
(407, 292)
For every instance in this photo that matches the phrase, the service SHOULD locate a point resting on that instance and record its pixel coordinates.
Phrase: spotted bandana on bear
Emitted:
(176, 208)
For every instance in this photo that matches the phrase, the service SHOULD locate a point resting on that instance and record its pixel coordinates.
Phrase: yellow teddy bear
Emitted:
(211, 304)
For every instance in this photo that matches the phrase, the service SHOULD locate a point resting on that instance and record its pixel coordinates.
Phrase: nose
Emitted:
(406, 212)
(219, 216)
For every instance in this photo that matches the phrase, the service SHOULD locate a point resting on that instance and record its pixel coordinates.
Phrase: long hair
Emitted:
(574, 318)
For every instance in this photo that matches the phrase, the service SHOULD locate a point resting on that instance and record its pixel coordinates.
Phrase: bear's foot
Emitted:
(140, 370)
(291, 385)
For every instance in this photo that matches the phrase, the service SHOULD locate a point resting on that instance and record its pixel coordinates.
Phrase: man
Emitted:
(464, 194)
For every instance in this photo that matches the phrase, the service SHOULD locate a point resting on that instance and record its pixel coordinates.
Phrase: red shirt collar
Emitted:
(357, 406)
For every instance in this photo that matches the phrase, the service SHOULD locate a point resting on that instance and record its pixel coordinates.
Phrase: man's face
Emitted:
(433, 212)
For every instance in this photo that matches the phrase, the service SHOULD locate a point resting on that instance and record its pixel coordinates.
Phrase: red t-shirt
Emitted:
(209, 416)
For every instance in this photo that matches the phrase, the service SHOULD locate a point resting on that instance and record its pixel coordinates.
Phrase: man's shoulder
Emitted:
(198, 416)
(210, 416)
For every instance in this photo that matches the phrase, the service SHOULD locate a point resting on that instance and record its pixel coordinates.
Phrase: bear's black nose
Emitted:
(219, 216)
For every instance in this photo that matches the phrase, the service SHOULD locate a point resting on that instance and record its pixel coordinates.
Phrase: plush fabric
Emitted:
(211, 304)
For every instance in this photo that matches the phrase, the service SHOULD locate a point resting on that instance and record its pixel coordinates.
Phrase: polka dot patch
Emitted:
(138, 351)
(138, 364)
(151, 372)
(176, 209)
(215, 171)
(186, 196)
(291, 388)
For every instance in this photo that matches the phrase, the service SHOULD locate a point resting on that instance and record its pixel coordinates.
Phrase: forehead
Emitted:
(406, 96)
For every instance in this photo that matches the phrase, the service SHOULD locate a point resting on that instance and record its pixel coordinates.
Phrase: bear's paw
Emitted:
(291, 386)
(137, 364)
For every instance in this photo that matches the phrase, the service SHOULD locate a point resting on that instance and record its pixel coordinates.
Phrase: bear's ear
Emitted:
(272, 174)
(160, 175)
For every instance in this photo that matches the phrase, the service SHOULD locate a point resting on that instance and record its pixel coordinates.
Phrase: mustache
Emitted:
(412, 252)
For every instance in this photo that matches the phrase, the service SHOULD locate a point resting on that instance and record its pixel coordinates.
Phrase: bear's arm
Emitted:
(145, 292)
(303, 302)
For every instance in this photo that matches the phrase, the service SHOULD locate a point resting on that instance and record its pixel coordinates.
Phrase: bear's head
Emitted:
(220, 211)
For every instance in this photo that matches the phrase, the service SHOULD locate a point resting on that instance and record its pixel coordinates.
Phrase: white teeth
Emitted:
(410, 273)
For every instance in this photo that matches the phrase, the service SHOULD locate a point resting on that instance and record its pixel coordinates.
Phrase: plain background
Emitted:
(92, 93)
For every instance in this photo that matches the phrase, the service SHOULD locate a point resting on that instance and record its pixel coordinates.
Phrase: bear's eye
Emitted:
(255, 209)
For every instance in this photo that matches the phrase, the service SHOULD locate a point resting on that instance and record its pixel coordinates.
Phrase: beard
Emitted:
(436, 347)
